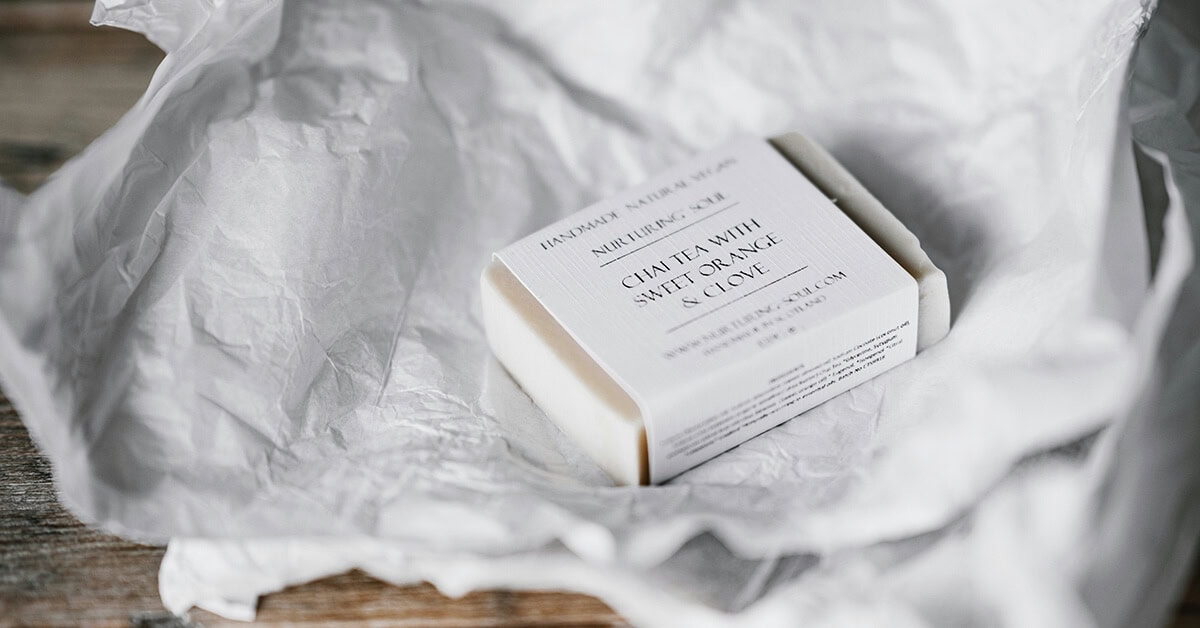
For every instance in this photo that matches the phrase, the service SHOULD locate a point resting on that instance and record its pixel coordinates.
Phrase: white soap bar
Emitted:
(603, 397)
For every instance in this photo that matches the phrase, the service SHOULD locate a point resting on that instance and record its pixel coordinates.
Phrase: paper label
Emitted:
(726, 295)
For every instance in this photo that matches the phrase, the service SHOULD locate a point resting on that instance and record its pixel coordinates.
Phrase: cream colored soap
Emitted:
(591, 407)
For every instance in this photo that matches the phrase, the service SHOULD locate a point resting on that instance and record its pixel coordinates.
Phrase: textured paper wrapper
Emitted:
(246, 318)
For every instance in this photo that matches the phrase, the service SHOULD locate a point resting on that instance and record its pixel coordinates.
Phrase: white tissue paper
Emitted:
(246, 318)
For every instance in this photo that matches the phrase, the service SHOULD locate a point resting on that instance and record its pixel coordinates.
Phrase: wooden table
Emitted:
(62, 83)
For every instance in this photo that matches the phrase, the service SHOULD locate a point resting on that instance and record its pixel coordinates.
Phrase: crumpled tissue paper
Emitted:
(246, 318)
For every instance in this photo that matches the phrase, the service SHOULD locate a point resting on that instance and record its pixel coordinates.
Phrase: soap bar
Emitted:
(669, 323)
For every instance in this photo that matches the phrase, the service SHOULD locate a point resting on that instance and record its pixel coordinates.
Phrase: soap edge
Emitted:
(492, 289)
(866, 211)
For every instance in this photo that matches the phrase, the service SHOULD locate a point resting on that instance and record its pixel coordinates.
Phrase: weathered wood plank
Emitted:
(356, 598)
(53, 570)
(40, 15)
(58, 91)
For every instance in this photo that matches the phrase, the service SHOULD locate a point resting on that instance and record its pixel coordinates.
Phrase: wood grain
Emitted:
(24, 16)
(356, 598)
(53, 570)
(58, 91)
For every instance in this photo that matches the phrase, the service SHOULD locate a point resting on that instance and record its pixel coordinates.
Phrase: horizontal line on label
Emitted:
(725, 305)
(663, 237)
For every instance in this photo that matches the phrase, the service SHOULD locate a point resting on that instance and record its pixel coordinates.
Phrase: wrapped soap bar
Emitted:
(665, 325)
